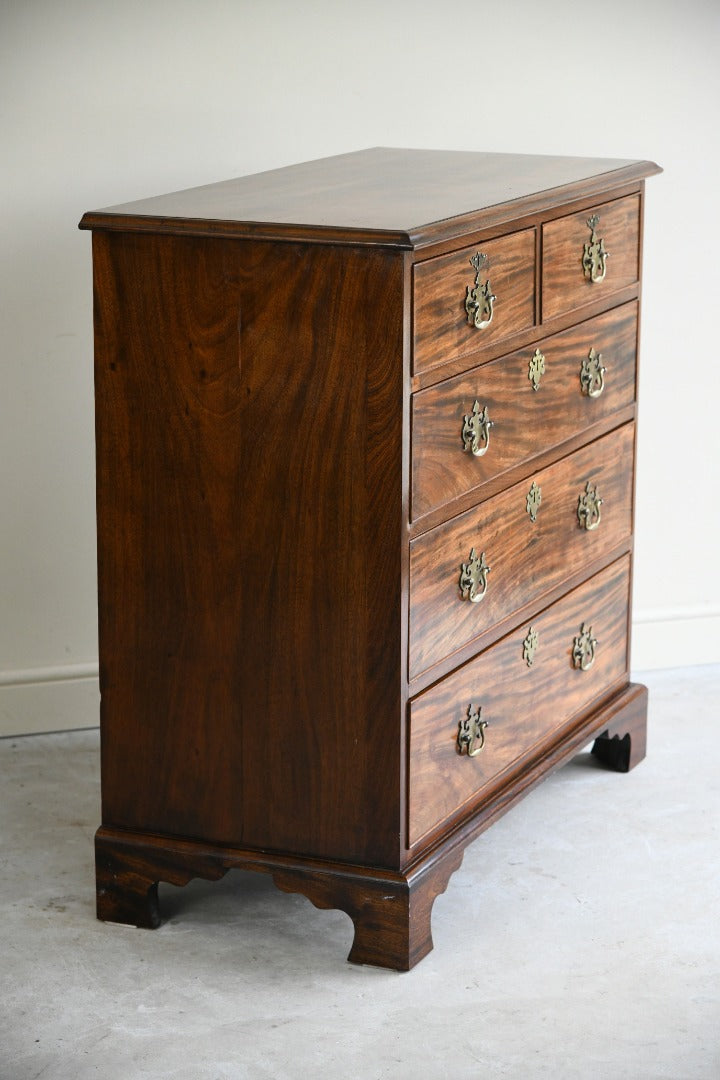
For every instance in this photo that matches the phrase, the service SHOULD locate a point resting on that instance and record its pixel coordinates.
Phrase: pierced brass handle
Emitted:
(476, 430)
(584, 645)
(479, 298)
(594, 260)
(592, 374)
(588, 508)
(473, 577)
(471, 732)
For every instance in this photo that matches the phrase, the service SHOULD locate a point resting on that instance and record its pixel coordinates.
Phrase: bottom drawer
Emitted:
(524, 688)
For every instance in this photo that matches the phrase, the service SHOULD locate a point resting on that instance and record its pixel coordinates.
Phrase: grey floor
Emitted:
(579, 940)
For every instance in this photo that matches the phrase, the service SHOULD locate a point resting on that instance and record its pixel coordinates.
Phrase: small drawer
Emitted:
(452, 293)
(525, 688)
(534, 399)
(472, 572)
(590, 255)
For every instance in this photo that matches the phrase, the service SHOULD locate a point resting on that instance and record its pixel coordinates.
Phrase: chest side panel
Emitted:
(250, 675)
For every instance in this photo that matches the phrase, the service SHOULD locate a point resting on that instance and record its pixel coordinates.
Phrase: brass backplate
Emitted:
(476, 430)
(536, 369)
(473, 577)
(594, 259)
(584, 645)
(479, 298)
(471, 732)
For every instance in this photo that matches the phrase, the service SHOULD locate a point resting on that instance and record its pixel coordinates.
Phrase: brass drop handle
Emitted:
(588, 508)
(473, 577)
(479, 298)
(594, 259)
(471, 732)
(476, 430)
(584, 645)
(592, 374)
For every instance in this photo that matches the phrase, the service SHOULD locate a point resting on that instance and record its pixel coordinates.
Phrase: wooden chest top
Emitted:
(388, 196)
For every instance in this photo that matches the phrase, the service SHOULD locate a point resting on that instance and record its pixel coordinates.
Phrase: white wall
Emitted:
(103, 102)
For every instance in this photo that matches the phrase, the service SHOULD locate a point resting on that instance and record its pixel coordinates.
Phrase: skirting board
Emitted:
(675, 639)
(63, 699)
(29, 708)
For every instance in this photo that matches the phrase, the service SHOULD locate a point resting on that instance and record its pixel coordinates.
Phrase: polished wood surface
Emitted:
(223, 415)
(440, 323)
(622, 744)
(381, 195)
(390, 910)
(526, 559)
(527, 422)
(564, 285)
(622, 712)
(522, 705)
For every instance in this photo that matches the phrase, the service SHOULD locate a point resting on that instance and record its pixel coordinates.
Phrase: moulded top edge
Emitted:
(380, 197)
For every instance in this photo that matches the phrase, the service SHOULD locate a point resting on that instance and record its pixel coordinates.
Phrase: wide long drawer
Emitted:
(534, 399)
(472, 731)
(505, 553)
(472, 298)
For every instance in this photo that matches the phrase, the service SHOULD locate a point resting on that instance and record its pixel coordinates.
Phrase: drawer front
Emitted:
(535, 398)
(573, 262)
(443, 327)
(452, 601)
(523, 704)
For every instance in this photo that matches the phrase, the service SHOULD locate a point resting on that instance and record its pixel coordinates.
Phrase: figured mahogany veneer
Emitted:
(527, 559)
(212, 566)
(284, 654)
(526, 422)
(523, 705)
(438, 333)
(619, 225)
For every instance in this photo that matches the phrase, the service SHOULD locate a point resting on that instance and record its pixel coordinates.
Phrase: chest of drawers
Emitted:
(365, 455)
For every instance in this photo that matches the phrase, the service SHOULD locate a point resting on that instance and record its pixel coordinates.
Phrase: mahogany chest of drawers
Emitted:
(365, 453)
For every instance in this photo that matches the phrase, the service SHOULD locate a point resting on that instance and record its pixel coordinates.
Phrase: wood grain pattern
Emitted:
(440, 326)
(249, 569)
(527, 422)
(391, 914)
(564, 285)
(383, 195)
(391, 911)
(524, 706)
(622, 744)
(525, 559)
(623, 711)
